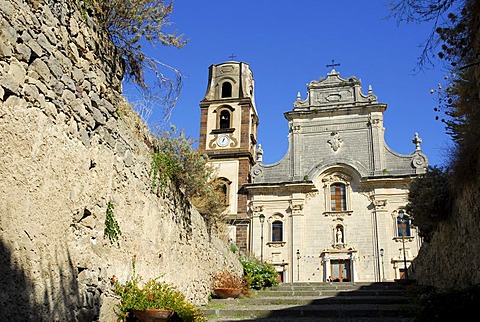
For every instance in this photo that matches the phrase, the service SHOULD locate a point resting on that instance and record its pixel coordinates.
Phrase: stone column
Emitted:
(326, 267)
(296, 208)
(353, 266)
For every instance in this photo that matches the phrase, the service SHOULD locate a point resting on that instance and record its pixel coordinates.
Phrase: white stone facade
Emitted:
(330, 207)
(331, 204)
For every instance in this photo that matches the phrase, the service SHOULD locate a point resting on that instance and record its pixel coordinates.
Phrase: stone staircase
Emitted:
(317, 302)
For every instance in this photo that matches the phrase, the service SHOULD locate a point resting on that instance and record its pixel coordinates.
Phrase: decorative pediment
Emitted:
(334, 90)
(337, 177)
(274, 217)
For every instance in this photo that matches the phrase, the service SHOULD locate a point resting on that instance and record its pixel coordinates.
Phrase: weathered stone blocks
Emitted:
(65, 155)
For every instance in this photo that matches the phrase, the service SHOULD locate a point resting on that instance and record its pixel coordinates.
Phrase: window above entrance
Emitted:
(338, 197)
(337, 194)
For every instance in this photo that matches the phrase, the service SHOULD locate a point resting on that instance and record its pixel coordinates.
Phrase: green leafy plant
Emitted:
(174, 160)
(456, 41)
(153, 294)
(128, 23)
(429, 201)
(257, 274)
(233, 247)
(112, 229)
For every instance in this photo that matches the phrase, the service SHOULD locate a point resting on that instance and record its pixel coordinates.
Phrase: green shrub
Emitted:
(258, 275)
(429, 201)
(154, 294)
(174, 160)
(131, 24)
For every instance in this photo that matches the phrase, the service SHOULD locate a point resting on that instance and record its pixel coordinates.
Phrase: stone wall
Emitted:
(69, 145)
(451, 260)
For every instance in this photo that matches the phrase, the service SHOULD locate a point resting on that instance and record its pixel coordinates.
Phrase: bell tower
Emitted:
(228, 135)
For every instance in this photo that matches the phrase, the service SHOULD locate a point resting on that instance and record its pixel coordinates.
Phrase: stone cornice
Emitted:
(300, 186)
(335, 110)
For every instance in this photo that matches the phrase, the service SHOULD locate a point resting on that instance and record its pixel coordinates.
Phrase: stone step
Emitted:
(314, 311)
(340, 286)
(277, 293)
(317, 302)
(308, 300)
(314, 319)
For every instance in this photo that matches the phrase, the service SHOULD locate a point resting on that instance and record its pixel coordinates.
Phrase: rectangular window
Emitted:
(338, 197)
(277, 231)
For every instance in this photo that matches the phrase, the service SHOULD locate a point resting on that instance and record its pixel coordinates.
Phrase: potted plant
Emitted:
(153, 301)
(226, 284)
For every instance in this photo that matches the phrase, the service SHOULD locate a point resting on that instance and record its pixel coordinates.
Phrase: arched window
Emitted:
(225, 119)
(277, 231)
(338, 197)
(226, 90)
(224, 190)
(403, 224)
(223, 186)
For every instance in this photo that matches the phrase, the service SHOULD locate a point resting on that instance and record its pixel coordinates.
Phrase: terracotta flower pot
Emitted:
(152, 315)
(227, 292)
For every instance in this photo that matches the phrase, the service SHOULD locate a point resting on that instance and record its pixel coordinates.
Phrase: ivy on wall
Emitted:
(112, 229)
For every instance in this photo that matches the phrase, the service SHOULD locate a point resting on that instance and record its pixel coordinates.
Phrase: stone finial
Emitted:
(259, 153)
(417, 140)
(299, 97)
(370, 89)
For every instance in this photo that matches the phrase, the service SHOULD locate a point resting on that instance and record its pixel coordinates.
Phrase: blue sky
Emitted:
(288, 43)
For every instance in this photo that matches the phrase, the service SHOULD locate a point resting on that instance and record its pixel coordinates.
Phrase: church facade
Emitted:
(333, 208)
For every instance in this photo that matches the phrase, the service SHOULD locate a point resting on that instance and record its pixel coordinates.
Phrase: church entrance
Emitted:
(340, 270)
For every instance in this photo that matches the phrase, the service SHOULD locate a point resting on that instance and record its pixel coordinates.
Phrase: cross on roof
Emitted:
(333, 64)
(232, 56)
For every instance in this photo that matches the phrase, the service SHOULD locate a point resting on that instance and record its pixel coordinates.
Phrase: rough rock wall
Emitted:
(451, 260)
(69, 145)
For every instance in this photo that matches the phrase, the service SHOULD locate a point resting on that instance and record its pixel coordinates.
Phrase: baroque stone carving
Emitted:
(257, 208)
(338, 214)
(295, 128)
(380, 204)
(274, 217)
(310, 195)
(333, 97)
(418, 161)
(335, 141)
(417, 140)
(226, 69)
(276, 244)
(337, 177)
(257, 172)
(375, 122)
(296, 209)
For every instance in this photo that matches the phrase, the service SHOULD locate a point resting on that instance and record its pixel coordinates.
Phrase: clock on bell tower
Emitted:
(228, 132)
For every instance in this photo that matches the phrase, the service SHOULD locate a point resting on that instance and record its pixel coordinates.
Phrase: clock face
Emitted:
(223, 140)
